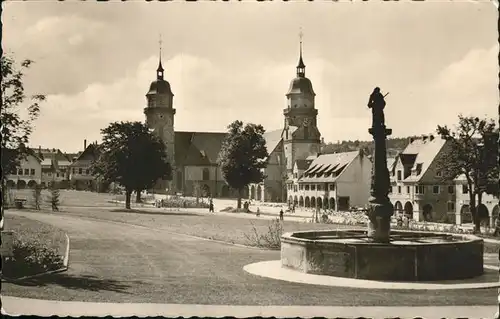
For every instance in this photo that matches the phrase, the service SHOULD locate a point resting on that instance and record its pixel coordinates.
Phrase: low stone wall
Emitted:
(357, 218)
(453, 257)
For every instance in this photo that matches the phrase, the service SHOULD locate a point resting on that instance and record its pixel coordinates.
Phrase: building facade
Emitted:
(336, 181)
(417, 189)
(28, 174)
(488, 207)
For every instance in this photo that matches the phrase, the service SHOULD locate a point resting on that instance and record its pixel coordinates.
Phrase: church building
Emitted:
(193, 155)
(297, 141)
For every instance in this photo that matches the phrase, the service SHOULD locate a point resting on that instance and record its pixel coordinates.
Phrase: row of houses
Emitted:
(341, 181)
(44, 166)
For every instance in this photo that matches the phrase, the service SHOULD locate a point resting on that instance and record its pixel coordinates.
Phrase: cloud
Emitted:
(207, 97)
(468, 86)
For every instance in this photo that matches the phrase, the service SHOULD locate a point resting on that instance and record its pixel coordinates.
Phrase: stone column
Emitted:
(380, 208)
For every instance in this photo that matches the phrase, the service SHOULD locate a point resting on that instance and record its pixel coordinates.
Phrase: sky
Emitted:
(234, 60)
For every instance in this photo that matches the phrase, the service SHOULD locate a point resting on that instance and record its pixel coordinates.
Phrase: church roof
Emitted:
(197, 148)
(273, 138)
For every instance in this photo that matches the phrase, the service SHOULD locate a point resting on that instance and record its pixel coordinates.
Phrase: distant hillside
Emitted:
(394, 145)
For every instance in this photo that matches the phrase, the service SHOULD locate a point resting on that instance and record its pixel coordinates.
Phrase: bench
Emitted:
(19, 203)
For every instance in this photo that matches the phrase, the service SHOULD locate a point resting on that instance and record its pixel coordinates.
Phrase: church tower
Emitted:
(301, 137)
(160, 118)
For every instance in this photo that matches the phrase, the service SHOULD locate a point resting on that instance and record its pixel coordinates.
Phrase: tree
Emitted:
(15, 128)
(54, 197)
(243, 156)
(472, 153)
(37, 196)
(131, 156)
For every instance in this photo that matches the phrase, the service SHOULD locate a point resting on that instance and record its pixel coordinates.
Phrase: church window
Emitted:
(206, 174)
(313, 187)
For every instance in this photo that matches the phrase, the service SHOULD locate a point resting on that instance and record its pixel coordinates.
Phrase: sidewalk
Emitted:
(18, 306)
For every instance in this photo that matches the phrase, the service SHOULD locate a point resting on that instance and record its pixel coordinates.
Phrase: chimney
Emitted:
(40, 149)
(84, 145)
(424, 137)
(431, 137)
(411, 140)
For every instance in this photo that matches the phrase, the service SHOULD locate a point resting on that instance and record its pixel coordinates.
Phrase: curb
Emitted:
(62, 269)
(272, 269)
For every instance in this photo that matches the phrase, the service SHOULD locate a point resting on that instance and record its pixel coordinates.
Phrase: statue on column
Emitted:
(380, 208)
(377, 104)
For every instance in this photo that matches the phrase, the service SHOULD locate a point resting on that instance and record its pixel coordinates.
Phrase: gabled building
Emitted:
(27, 174)
(336, 181)
(416, 186)
(55, 167)
(79, 171)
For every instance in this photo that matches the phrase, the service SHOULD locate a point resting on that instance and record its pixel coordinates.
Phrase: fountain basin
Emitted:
(410, 256)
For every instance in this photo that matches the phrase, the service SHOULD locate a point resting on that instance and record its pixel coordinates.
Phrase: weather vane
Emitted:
(301, 34)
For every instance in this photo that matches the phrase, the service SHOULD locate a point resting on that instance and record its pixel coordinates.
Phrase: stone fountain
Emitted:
(377, 253)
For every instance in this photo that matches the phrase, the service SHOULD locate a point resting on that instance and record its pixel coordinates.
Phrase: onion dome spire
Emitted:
(159, 71)
(301, 67)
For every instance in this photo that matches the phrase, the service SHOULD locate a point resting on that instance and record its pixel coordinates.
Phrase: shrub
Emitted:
(270, 239)
(37, 196)
(54, 196)
(30, 258)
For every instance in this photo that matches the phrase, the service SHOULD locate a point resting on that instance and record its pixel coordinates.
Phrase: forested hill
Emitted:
(394, 145)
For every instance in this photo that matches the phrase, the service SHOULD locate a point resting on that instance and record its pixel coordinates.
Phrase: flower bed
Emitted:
(181, 202)
(37, 248)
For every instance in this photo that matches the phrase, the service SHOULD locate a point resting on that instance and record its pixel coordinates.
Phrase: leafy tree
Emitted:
(54, 198)
(15, 128)
(473, 150)
(132, 157)
(243, 156)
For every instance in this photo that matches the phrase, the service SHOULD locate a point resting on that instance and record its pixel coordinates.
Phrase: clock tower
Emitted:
(160, 119)
(301, 137)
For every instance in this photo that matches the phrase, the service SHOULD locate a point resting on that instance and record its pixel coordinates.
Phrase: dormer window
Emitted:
(419, 168)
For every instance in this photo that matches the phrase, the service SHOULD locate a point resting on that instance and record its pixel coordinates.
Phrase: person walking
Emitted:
(211, 206)
(281, 214)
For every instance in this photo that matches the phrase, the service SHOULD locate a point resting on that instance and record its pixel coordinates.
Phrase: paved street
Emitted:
(116, 262)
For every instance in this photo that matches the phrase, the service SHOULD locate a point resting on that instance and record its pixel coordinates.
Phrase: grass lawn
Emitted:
(217, 227)
(38, 247)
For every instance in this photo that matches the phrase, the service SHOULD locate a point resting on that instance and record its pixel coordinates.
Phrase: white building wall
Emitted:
(354, 182)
